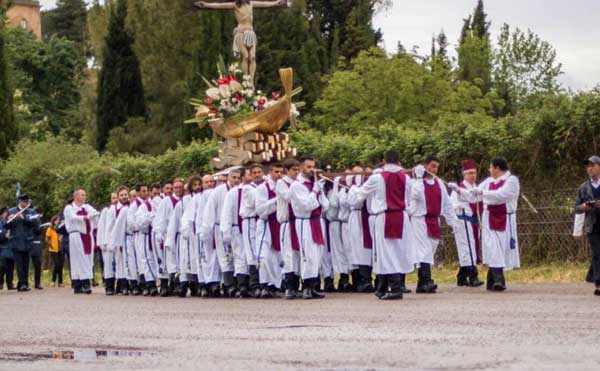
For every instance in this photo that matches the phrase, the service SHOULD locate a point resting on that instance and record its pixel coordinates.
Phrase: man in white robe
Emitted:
(80, 219)
(249, 220)
(189, 258)
(209, 262)
(134, 238)
(500, 193)
(467, 232)
(333, 226)
(167, 257)
(268, 230)
(231, 230)
(143, 218)
(428, 201)
(393, 250)
(344, 251)
(211, 221)
(108, 256)
(309, 204)
(116, 237)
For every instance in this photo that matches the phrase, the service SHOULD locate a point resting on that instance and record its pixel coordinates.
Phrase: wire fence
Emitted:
(543, 237)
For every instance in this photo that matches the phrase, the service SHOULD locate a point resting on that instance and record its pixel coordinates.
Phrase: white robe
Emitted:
(303, 203)
(206, 238)
(344, 216)
(498, 251)
(291, 257)
(189, 256)
(230, 229)
(426, 246)
(108, 256)
(178, 247)
(132, 237)
(359, 254)
(249, 218)
(211, 220)
(269, 259)
(339, 261)
(122, 244)
(143, 220)
(390, 256)
(160, 225)
(464, 234)
(80, 262)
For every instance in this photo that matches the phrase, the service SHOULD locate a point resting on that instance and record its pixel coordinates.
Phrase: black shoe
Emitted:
(392, 296)
(86, 287)
(329, 287)
(164, 289)
(307, 294)
(204, 292)
(427, 288)
(215, 291)
(461, 277)
(25, 289)
(124, 287)
(475, 282)
(182, 289)
(316, 295)
(597, 291)
(109, 286)
(344, 283)
(194, 289)
(256, 293)
(152, 290)
(11, 287)
(266, 294)
(135, 290)
(290, 294)
(145, 291)
(275, 292)
(39, 287)
(498, 287)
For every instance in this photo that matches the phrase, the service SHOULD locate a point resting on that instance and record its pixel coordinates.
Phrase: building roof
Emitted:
(26, 3)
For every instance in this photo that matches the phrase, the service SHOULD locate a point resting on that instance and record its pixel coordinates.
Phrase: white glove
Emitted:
(453, 186)
(317, 187)
(419, 171)
(476, 192)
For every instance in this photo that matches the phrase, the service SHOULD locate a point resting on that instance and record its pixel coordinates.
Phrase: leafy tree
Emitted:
(120, 88)
(67, 20)
(97, 27)
(475, 51)
(523, 65)
(8, 131)
(47, 74)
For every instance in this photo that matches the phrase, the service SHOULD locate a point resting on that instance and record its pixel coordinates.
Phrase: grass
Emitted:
(545, 273)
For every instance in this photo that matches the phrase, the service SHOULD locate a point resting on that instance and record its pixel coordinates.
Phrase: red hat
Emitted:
(469, 165)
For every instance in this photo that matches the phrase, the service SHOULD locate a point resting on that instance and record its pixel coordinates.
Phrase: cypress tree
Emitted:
(475, 51)
(8, 130)
(120, 88)
(480, 25)
(68, 20)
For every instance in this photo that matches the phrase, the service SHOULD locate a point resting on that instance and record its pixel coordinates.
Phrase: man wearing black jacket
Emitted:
(23, 222)
(7, 262)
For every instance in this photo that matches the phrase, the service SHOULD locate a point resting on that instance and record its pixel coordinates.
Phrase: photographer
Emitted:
(588, 202)
(23, 224)
(7, 261)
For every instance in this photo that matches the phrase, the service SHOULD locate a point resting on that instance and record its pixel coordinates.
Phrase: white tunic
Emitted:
(390, 256)
(249, 217)
(230, 229)
(291, 257)
(160, 226)
(359, 254)
(108, 256)
(426, 246)
(303, 203)
(81, 263)
(270, 272)
(498, 250)
(211, 220)
(122, 244)
(465, 232)
(143, 219)
(339, 260)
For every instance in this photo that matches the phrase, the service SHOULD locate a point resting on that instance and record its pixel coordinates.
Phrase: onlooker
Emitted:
(588, 202)
(7, 261)
(36, 257)
(58, 259)
(22, 223)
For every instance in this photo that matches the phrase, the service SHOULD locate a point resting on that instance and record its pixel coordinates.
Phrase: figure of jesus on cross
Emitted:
(244, 37)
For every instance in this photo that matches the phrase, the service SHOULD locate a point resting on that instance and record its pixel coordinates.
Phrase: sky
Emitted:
(570, 26)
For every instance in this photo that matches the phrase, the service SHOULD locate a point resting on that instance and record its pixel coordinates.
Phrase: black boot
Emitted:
(365, 280)
(382, 285)
(395, 288)
(403, 284)
(489, 280)
(134, 288)
(315, 293)
(173, 282)
(344, 283)
(290, 291)
(152, 290)
(473, 277)
(499, 281)
(164, 287)
(194, 286)
(76, 284)
(356, 280)
(266, 293)
(307, 288)
(329, 287)
(109, 286)
(183, 289)
(461, 277)
(254, 283)
(316, 284)
(86, 287)
(425, 284)
(124, 287)
(229, 288)
(215, 290)
(243, 286)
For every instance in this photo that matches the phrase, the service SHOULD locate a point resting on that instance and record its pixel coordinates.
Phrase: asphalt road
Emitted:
(529, 327)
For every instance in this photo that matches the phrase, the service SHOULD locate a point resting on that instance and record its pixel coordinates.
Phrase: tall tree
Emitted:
(475, 51)
(120, 88)
(68, 20)
(8, 132)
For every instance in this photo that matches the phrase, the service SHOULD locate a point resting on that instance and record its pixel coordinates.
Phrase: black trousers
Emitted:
(22, 265)
(36, 260)
(7, 269)
(58, 261)
(594, 239)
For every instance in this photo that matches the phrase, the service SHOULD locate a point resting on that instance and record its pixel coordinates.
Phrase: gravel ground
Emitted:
(529, 327)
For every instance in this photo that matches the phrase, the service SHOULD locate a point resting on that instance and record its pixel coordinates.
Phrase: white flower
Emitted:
(214, 93)
(224, 91)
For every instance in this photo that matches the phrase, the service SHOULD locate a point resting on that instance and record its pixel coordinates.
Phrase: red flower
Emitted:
(208, 100)
(262, 101)
(238, 97)
(223, 81)
(276, 95)
(231, 78)
(213, 111)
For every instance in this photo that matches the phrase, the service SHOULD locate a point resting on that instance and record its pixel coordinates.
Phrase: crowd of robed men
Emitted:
(256, 232)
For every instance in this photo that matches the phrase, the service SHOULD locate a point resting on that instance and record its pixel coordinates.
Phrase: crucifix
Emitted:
(244, 37)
